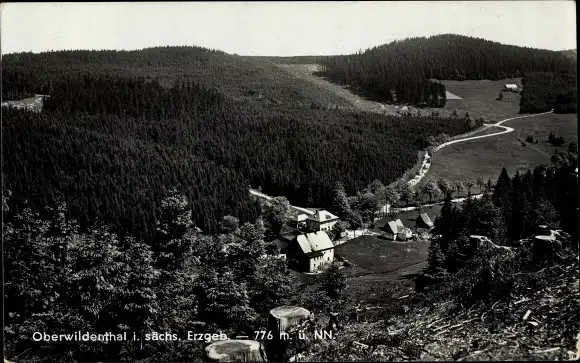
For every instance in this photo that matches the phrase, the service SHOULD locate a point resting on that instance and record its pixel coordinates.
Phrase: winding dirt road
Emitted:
(507, 130)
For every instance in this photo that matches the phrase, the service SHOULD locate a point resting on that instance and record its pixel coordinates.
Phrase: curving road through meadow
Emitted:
(507, 130)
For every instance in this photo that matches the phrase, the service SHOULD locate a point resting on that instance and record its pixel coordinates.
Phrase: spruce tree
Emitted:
(340, 201)
(502, 190)
(334, 281)
(436, 260)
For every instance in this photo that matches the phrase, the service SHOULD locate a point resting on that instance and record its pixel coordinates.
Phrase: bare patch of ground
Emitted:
(306, 72)
(451, 96)
(32, 103)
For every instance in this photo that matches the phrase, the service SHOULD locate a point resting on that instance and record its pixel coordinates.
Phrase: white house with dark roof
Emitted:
(321, 221)
(308, 252)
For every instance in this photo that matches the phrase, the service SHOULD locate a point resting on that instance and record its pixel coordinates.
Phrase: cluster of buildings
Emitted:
(396, 230)
(310, 251)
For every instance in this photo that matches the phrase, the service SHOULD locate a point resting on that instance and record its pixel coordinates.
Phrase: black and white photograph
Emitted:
(326, 181)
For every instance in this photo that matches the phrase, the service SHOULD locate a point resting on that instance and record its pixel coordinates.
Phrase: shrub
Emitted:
(530, 138)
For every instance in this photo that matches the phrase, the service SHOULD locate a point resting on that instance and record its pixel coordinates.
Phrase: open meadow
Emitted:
(373, 255)
(479, 98)
(382, 271)
(485, 157)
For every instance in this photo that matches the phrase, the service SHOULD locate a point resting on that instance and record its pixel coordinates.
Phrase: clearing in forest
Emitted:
(373, 255)
(32, 103)
(479, 98)
(307, 72)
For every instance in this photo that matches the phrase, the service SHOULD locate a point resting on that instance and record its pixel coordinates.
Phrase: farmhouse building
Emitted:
(511, 87)
(396, 229)
(301, 220)
(308, 252)
(321, 220)
(391, 229)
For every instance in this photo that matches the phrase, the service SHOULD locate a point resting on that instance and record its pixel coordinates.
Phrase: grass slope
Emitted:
(479, 98)
(485, 157)
(373, 255)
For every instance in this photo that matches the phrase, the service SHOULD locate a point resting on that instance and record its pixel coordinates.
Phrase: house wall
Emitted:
(324, 226)
(326, 258)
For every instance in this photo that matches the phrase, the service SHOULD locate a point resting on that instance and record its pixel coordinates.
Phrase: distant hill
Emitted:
(397, 72)
(249, 79)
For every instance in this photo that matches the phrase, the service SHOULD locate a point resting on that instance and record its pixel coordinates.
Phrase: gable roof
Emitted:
(399, 224)
(314, 243)
(511, 85)
(392, 227)
(423, 217)
(322, 216)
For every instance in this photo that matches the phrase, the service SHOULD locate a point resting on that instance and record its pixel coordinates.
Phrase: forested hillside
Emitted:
(544, 91)
(61, 280)
(112, 147)
(571, 53)
(399, 71)
(242, 78)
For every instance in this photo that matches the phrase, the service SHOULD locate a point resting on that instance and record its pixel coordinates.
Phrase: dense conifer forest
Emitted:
(544, 91)
(401, 71)
(60, 280)
(240, 78)
(111, 146)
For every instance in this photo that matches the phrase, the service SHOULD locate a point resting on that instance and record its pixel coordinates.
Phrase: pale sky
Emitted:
(280, 28)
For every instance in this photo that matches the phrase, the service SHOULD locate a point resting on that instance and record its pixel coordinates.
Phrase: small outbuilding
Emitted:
(395, 229)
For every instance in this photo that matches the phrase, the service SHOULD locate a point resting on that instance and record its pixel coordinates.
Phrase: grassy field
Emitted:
(565, 125)
(382, 270)
(479, 98)
(486, 157)
(379, 256)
